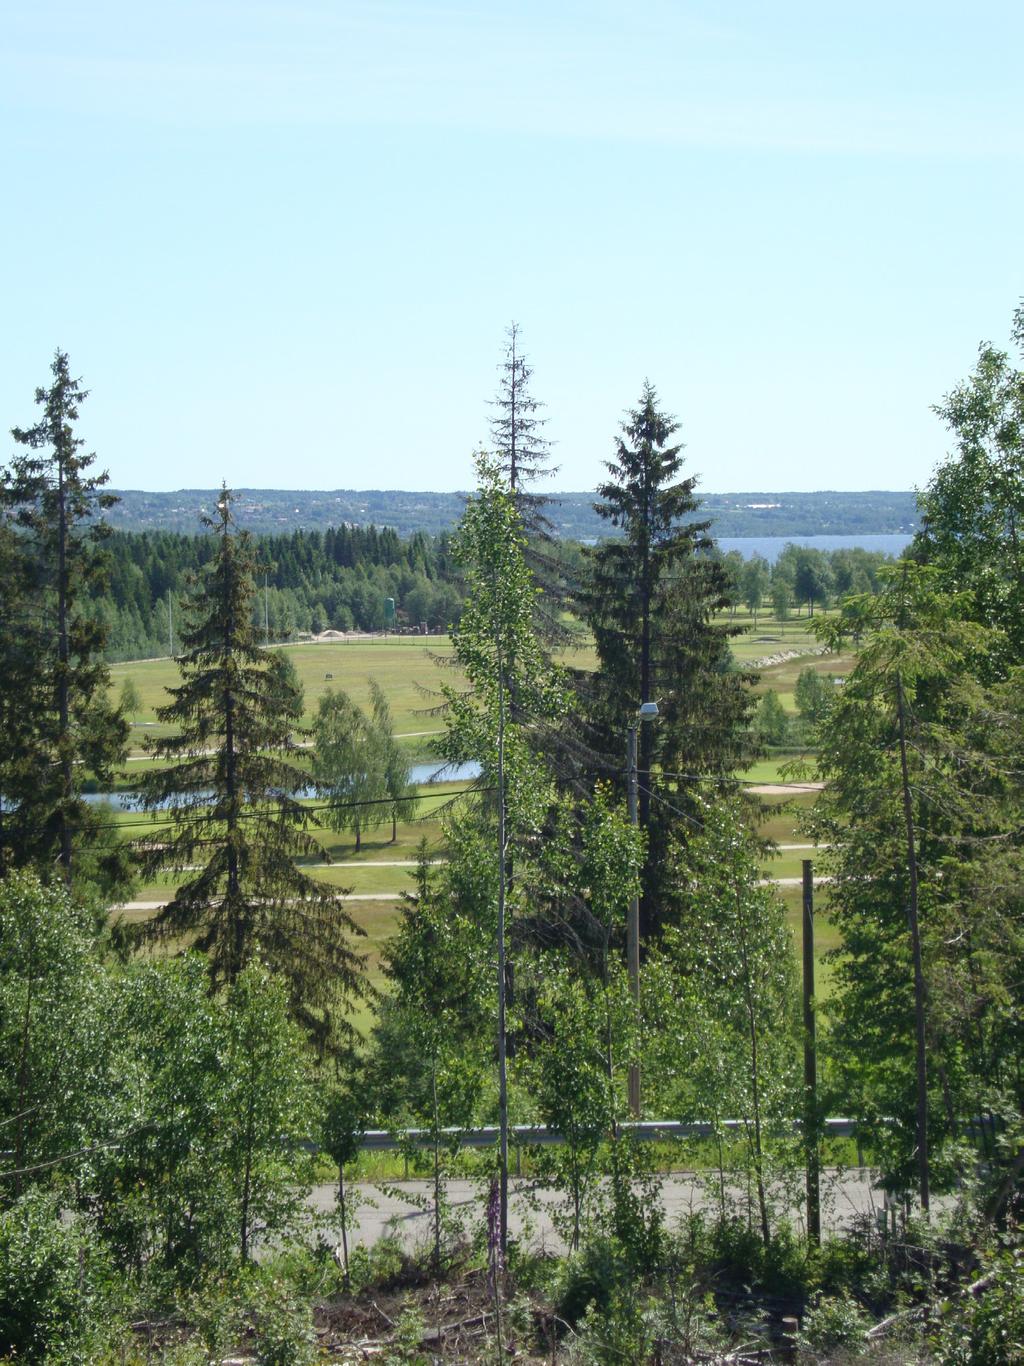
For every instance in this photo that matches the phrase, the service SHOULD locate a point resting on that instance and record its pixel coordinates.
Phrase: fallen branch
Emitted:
(921, 1311)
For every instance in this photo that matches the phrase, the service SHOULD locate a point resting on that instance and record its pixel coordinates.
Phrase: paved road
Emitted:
(783, 789)
(405, 1206)
(819, 878)
(351, 896)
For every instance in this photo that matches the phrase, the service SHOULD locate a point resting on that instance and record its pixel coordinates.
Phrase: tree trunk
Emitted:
(755, 1096)
(437, 1168)
(915, 944)
(26, 1029)
(231, 822)
(247, 1175)
(502, 983)
(344, 1226)
(63, 657)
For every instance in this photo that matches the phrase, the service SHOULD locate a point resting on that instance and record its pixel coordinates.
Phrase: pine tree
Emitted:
(231, 789)
(61, 725)
(649, 601)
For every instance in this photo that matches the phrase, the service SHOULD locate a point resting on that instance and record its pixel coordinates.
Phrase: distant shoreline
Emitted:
(771, 547)
(872, 512)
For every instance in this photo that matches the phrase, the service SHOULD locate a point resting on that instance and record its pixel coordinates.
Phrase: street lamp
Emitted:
(648, 712)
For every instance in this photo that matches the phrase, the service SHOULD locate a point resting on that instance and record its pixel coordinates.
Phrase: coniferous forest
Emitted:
(620, 1105)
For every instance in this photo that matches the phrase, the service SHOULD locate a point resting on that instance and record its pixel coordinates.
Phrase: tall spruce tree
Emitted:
(524, 457)
(232, 791)
(21, 702)
(60, 724)
(523, 452)
(649, 601)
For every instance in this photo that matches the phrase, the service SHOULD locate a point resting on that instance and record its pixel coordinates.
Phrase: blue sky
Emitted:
(282, 242)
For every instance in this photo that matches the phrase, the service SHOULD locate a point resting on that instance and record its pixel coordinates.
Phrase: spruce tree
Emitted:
(649, 600)
(231, 789)
(60, 724)
(523, 452)
(524, 456)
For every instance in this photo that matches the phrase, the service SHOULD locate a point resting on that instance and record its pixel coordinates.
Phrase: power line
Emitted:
(728, 781)
(172, 814)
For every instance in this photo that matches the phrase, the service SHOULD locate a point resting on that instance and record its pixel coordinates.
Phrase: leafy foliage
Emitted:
(974, 504)
(346, 765)
(963, 799)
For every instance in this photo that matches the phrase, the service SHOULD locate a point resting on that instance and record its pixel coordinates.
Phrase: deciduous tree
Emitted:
(500, 657)
(393, 763)
(756, 577)
(974, 504)
(347, 765)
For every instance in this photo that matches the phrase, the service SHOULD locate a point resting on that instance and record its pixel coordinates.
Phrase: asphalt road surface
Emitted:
(404, 1207)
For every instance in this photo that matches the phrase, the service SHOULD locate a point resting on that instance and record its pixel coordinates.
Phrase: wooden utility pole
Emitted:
(812, 1150)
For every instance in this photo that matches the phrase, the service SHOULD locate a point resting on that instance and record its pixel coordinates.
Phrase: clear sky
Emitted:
(282, 242)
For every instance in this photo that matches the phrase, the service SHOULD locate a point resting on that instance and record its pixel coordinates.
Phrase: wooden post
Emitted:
(812, 1151)
(788, 1344)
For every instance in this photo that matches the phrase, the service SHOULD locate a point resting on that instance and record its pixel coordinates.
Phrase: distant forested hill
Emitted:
(733, 514)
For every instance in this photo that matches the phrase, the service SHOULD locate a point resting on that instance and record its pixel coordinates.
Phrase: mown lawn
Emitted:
(408, 671)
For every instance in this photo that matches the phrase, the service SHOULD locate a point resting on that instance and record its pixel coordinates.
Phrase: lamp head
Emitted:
(648, 711)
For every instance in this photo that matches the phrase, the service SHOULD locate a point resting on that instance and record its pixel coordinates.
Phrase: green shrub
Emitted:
(380, 1265)
(834, 1321)
(587, 1278)
(52, 1285)
(730, 1253)
(282, 1327)
(616, 1331)
(409, 1332)
(987, 1329)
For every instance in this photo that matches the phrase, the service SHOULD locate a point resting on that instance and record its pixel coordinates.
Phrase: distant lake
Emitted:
(771, 547)
(419, 773)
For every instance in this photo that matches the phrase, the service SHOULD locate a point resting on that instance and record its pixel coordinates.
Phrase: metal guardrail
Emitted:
(531, 1135)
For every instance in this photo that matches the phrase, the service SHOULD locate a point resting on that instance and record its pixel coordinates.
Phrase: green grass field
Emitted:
(407, 668)
(404, 668)
(408, 671)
